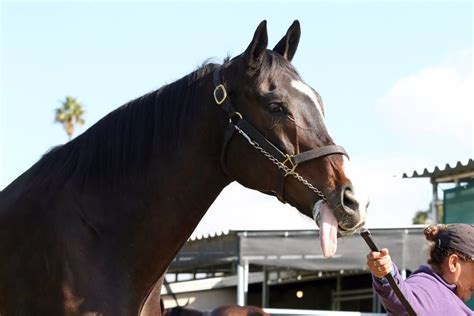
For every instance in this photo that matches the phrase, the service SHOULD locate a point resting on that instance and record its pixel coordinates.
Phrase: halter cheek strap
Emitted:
(298, 159)
(287, 163)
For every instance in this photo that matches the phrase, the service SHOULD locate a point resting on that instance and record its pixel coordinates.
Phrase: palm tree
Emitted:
(69, 115)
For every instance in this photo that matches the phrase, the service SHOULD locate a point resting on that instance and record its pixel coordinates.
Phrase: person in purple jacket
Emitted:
(437, 289)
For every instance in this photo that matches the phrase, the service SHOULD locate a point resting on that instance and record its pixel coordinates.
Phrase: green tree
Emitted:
(70, 114)
(422, 217)
(426, 217)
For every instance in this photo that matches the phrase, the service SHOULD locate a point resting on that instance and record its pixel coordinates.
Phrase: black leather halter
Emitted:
(238, 123)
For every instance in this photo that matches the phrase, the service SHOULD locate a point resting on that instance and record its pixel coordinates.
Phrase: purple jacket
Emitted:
(426, 291)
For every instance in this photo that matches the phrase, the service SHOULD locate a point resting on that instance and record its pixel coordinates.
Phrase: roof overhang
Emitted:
(459, 172)
(298, 250)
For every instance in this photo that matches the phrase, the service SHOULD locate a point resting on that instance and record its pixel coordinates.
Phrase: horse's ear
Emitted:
(256, 50)
(289, 43)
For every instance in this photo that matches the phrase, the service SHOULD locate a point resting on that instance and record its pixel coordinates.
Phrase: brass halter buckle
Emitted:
(220, 94)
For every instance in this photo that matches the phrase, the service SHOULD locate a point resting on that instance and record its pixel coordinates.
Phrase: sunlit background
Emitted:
(396, 79)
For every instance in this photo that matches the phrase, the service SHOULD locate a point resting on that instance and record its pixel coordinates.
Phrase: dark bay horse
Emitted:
(92, 226)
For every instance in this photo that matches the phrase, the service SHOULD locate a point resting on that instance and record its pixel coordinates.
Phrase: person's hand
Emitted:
(379, 263)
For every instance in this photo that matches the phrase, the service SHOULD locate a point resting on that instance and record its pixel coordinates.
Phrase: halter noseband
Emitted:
(287, 163)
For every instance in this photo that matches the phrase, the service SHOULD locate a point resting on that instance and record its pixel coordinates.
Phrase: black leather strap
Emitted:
(255, 135)
(365, 233)
(227, 137)
(318, 153)
(400, 296)
(226, 105)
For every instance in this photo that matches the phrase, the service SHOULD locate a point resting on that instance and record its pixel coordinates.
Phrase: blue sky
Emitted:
(394, 77)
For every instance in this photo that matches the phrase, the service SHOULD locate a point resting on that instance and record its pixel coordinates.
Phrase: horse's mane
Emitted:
(119, 146)
(126, 139)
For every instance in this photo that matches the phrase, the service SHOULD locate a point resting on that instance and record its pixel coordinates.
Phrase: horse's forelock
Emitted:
(274, 65)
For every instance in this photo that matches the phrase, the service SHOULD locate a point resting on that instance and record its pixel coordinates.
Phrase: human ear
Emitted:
(453, 261)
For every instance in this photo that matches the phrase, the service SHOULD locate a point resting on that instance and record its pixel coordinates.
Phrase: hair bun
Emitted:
(431, 232)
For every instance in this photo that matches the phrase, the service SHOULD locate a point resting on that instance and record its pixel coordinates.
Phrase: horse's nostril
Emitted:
(349, 200)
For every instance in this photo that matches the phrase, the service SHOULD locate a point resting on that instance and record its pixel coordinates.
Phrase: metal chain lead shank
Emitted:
(280, 165)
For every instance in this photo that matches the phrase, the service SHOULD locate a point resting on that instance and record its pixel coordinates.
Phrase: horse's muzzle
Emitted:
(350, 212)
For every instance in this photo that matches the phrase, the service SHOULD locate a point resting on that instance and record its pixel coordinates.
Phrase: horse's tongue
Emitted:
(328, 233)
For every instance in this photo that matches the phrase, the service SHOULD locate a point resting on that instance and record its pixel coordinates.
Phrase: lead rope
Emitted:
(286, 169)
(364, 233)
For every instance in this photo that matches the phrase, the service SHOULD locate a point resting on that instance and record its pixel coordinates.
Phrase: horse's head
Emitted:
(270, 96)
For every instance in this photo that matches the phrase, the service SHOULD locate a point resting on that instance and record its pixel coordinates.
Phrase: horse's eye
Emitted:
(276, 108)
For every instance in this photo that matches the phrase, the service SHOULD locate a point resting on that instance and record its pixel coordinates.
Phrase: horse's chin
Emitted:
(349, 221)
(342, 232)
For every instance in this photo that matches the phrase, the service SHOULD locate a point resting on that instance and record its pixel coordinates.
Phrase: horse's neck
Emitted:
(158, 215)
(184, 195)
(125, 236)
